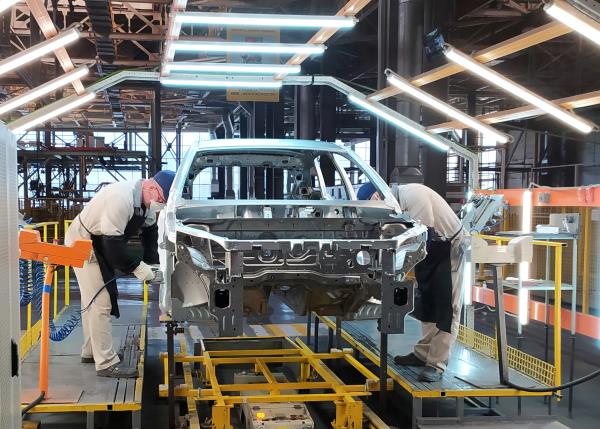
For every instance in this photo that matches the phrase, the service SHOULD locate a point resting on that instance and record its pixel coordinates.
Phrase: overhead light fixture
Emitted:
(44, 89)
(526, 214)
(48, 112)
(389, 115)
(573, 18)
(468, 283)
(264, 20)
(501, 82)
(443, 107)
(207, 82)
(38, 51)
(6, 4)
(523, 306)
(264, 69)
(258, 48)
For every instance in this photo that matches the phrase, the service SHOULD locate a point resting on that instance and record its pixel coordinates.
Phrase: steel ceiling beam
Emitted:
(575, 102)
(40, 13)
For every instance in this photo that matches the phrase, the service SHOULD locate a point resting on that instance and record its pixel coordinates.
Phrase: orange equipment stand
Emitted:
(32, 248)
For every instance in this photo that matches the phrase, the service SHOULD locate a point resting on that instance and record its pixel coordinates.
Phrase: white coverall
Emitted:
(106, 214)
(425, 205)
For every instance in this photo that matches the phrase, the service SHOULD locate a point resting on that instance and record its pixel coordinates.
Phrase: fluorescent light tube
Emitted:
(523, 306)
(264, 20)
(259, 48)
(525, 228)
(444, 108)
(220, 83)
(7, 4)
(21, 125)
(38, 51)
(405, 125)
(573, 18)
(264, 69)
(42, 90)
(517, 90)
(467, 283)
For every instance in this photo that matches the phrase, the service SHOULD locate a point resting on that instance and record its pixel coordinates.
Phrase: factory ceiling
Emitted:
(120, 35)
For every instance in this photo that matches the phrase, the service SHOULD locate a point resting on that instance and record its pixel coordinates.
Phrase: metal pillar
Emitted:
(244, 134)
(172, 330)
(305, 127)
(155, 152)
(177, 145)
(275, 129)
(259, 130)
(407, 62)
(400, 34)
(433, 161)
(328, 101)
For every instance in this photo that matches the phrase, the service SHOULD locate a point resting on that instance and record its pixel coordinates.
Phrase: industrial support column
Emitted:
(434, 162)
(305, 127)
(276, 130)
(244, 134)
(178, 144)
(155, 152)
(400, 47)
(259, 130)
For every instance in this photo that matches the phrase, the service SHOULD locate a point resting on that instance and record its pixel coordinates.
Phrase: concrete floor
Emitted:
(586, 413)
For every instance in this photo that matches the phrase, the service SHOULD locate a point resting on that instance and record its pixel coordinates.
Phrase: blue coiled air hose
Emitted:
(37, 286)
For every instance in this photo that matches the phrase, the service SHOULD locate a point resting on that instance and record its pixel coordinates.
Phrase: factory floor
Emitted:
(154, 411)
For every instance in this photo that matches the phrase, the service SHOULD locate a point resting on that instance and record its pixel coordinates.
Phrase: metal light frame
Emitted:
(264, 20)
(445, 108)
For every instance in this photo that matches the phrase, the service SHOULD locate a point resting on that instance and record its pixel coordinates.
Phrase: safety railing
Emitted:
(51, 231)
(545, 372)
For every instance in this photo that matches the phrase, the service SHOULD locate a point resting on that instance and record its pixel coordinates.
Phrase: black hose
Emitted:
(33, 403)
(556, 388)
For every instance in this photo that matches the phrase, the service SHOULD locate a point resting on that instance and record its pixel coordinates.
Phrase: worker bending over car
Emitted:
(439, 276)
(115, 214)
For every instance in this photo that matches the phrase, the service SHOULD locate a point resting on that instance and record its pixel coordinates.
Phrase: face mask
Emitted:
(152, 214)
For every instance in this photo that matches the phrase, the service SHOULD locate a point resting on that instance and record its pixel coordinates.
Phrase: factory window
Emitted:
(334, 184)
(277, 176)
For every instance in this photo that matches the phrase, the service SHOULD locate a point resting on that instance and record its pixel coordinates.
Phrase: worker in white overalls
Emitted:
(439, 276)
(117, 213)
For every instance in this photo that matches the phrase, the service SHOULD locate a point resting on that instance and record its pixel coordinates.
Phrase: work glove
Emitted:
(158, 275)
(144, 272)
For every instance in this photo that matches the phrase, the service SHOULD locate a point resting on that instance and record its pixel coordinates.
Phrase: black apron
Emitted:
(433, 295)
(108, 271)
(113, 253)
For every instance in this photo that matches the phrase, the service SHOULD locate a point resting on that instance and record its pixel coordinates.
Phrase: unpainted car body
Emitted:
(250, 218)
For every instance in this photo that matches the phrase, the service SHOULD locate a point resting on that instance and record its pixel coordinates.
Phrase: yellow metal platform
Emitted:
(80, 388)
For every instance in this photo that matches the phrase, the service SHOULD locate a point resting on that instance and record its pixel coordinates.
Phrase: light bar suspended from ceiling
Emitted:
(392, 117)
(264, 20)
(259, 48)
(28, 55)
(444, 107)
(45, 114)
(191, 81)
(501, 82)
(573, 18)
(197, 67)
(5, 4)
(43, 89)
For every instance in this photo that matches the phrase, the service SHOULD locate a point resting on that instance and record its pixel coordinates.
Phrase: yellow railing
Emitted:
(31, 335)
(558, 248)
(48, 231)
(535, 368)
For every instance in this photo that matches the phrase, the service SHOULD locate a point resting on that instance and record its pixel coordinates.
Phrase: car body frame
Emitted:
(306, 238)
